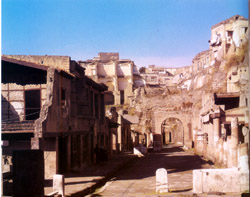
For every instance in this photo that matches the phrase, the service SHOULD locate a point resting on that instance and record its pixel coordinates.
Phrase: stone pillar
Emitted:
(225, 153)
(148, 140)
(245, 132)
(229, 152)
(216, 128)
(223, 132)
(119, 133)
(234, 141)
(216, 131)
(36, 143)
(243, 157)
(221, 151)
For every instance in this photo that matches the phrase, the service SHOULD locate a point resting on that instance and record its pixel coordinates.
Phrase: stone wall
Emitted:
(185, 119)
(59, 62)
(229, 180)
(116, 74)
(13, 100)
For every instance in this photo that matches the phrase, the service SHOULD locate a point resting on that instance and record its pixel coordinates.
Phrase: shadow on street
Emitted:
(173, 158)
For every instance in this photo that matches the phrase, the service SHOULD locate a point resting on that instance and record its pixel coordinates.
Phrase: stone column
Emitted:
(225, 153)
(119, 133)
(221, 151)
(216, 131)
(148, 139)
(245, 132)
(223, 132)
(243, 157)
(229, 152)
(234, 141)
(216, 128)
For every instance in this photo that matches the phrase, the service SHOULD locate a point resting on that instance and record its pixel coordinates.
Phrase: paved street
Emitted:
(139, 179)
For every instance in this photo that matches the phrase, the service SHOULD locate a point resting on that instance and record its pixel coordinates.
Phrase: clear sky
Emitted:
(161, 32)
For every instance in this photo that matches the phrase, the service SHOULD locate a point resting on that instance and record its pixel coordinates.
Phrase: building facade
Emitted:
(121, 76)
(49, 104)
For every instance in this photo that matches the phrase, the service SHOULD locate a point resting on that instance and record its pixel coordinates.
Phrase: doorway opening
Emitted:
(172, 131)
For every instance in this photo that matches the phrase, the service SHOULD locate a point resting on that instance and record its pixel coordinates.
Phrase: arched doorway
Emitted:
(172, 131)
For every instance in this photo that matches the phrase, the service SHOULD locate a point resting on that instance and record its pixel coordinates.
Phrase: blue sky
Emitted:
(162, 32)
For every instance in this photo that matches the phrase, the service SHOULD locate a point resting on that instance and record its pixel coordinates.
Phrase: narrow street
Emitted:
(139, 179)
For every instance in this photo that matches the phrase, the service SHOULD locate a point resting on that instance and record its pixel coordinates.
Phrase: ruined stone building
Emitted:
(57, 105)
(224, 132)
(228, 33)
(49, 104)
(121, 76)
(157, 76)
(207, 107)
(226, 37)
(201, 61)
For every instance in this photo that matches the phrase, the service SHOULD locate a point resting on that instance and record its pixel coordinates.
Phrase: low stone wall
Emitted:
(220, 180)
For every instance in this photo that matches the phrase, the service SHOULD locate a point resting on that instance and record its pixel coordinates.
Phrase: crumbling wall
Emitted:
(125, 69)
(106, 69)
(61, 97)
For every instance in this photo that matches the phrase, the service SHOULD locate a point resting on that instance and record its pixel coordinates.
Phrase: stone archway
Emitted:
(172, 131)
(185, 118)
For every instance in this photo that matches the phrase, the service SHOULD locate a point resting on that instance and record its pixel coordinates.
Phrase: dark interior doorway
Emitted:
(63, 154)
(32, 104)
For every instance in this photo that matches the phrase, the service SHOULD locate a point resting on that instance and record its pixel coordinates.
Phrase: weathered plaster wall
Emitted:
(59, 110)
(106, 69)
(125, 69)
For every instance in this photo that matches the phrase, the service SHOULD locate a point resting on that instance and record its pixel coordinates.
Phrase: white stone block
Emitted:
(58, 184)
(243, 163)
(220, 180)
(197, 181)
(137, 152)
(162, 181)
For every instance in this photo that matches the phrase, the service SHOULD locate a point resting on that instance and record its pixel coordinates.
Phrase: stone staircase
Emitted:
(18, 126)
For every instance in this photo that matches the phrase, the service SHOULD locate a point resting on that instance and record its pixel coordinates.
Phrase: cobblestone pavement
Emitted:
(139, 179)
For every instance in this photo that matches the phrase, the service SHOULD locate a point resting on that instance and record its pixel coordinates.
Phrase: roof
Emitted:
(23, 63)
(36, 66)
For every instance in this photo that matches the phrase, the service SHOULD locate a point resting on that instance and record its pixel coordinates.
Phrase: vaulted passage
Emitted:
(172, 131)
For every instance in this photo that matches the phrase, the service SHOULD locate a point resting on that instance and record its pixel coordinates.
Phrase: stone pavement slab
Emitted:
(80, 184)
